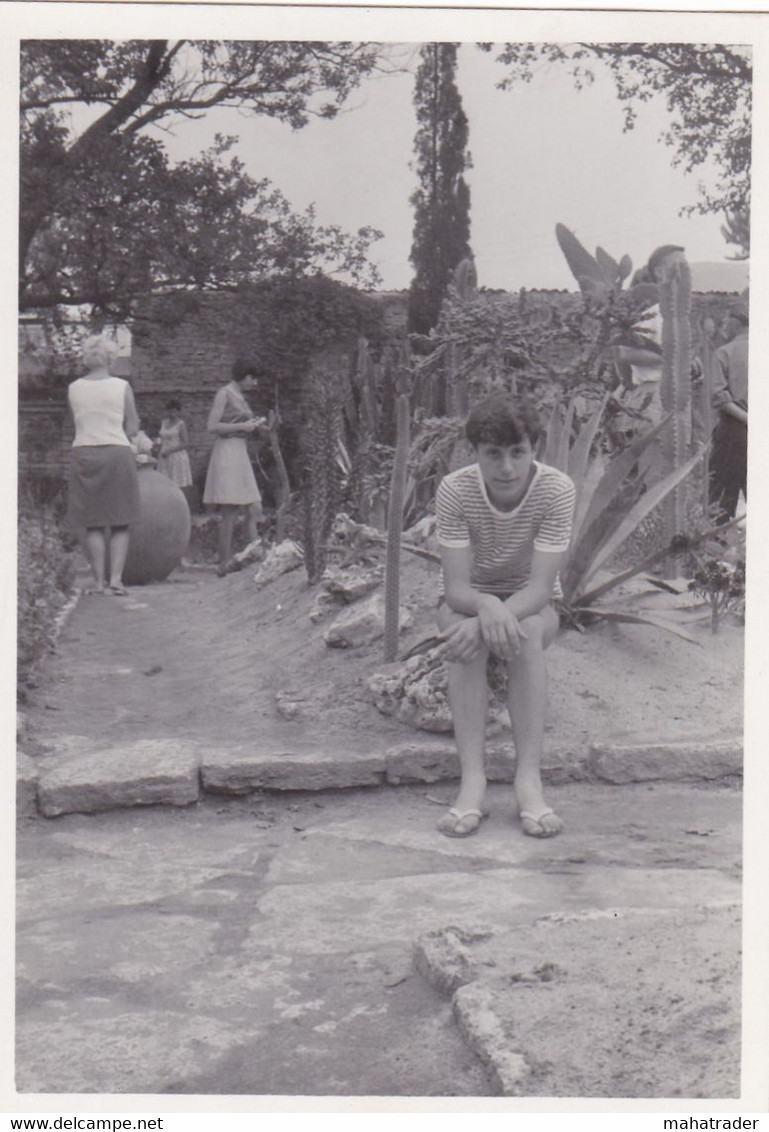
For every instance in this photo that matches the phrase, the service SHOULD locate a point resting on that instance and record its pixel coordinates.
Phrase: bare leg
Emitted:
(527, 699)
(118, 552)
(251, 515)
(468, 699)
(95, 548)
(226, 526)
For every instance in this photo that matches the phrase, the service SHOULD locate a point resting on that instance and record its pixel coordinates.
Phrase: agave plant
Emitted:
(613, 498)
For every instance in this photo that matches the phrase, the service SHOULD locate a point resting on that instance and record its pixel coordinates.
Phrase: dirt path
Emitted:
(207, 659)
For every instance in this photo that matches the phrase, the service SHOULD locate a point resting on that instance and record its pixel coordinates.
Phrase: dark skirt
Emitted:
(103, 486)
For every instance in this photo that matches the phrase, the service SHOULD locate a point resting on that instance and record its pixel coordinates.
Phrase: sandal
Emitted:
(533, 825)
(451, 822)
(117, 591)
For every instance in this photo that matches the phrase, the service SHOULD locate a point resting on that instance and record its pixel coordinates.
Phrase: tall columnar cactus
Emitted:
(676, 388)
(364, 435)
(320, 442)
(464, 287)
(284, 483)
(395, 509)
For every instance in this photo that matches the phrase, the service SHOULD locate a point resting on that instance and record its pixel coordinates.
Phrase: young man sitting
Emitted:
(504, 525)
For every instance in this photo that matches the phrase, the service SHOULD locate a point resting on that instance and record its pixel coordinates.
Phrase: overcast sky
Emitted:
(542, 153)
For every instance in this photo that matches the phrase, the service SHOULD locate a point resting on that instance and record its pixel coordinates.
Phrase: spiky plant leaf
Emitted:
(622, 615)
(579, 452)
(553, 436)
(619, 468)
(581, 263)
(648, 501)
(562, 454)
(625, 267)
(608, 266)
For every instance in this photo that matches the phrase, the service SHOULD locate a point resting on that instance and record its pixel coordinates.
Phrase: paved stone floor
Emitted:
(264, 945)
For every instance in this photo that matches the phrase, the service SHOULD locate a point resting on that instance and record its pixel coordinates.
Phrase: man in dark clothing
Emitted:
(729, 454)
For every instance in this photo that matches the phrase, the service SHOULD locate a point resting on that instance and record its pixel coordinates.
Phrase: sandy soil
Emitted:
(209, 658)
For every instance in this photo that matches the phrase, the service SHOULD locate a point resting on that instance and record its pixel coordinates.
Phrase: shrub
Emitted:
(45, 581)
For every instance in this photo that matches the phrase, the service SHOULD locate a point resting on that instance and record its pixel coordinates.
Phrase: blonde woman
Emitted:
(103, 487)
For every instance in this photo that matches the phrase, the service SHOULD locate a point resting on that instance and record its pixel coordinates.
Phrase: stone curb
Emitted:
(672, 762)
(150, 772)
(241, 772)
(169, 772)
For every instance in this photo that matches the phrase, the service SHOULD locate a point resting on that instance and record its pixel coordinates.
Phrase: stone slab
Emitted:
(240, 772)
(83, 1052)
(656, 994)
(645, 762)
(149, 772)
(26, 786)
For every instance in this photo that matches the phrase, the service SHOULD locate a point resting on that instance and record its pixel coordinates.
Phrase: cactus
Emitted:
(676, 388)
(597, 276)
(395, 509)
(320, 442)
(364, 433)
(284, 495)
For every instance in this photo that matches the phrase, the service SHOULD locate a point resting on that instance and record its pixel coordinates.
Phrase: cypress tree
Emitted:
(442, 200)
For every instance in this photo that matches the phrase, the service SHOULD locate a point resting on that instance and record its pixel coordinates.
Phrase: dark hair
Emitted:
(241, 368)
(504, 420)
(173, 405)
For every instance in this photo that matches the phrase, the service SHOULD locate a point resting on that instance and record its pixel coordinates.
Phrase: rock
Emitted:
(474, 1010)
(362, 624)
(346, 531)
(254, 552)
(242, 771)
(422, 531)
(26, 786)
(324, 604)
(669, 761)
(350, 583)
(152, 771)
(443, 958)
(517, 991)
(280, 559)
(342, 585)
(416, 693)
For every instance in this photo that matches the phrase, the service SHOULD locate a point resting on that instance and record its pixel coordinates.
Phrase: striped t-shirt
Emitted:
(503, 542)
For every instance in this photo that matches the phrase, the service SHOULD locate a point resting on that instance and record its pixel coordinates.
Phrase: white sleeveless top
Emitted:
(99, 409)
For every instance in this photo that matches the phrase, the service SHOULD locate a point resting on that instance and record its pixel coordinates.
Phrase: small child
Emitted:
(504, 527)
(173, 459)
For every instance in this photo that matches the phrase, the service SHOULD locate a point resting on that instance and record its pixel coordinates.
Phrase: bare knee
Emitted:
(540, 629)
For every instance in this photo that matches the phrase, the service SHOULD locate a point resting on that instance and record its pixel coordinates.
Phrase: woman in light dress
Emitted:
(103, 496)
(173, 458)
(230, 482)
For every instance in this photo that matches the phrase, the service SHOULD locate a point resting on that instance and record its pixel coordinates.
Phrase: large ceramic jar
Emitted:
(160, 537)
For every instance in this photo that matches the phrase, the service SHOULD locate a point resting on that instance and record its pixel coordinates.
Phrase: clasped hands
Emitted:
(495, 626)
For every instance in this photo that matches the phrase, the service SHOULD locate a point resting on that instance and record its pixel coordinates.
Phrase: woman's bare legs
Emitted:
(118, 552)
(95, 548)
(252, 514)
(227, 517)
